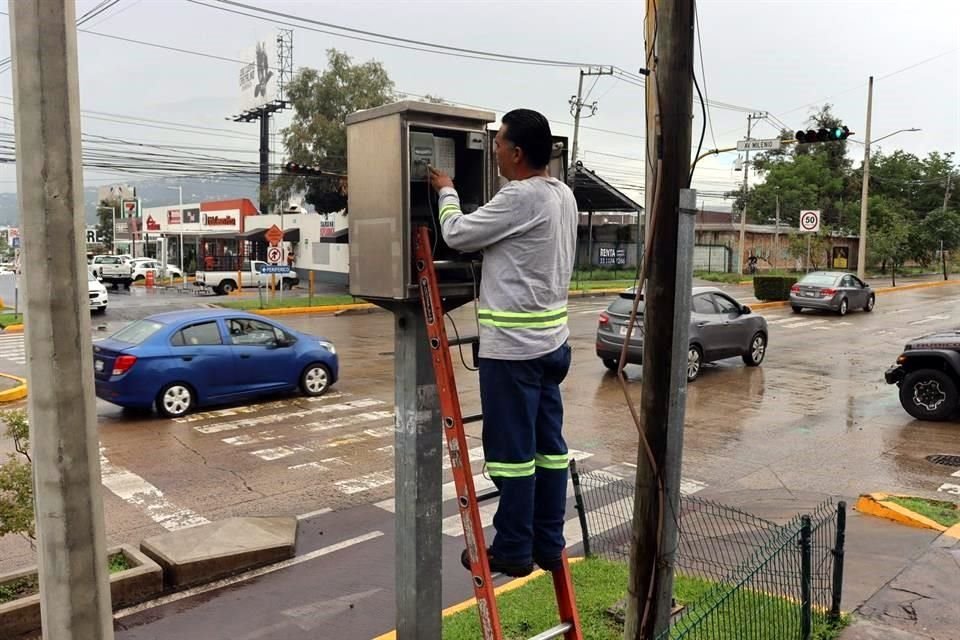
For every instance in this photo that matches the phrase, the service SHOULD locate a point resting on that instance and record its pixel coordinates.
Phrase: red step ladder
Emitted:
(453, 421)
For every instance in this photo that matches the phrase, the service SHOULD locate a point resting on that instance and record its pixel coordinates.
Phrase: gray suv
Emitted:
(720, 327)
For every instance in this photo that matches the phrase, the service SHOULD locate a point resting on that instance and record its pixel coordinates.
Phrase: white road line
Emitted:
(276, 453)
(801, 323)
(274, 418)
(365, 483)
(312, 514)
(249, 575)
(253, 408)
(929, 319)
(955, 474)
(337, 423)
(135, 490)
(952, 489)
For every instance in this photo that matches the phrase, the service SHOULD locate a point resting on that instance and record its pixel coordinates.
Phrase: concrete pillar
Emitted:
(74, 590)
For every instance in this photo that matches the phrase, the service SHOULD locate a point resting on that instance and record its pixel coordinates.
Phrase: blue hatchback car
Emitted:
(184, 359)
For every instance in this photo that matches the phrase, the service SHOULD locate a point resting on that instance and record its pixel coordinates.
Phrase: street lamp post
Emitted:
(865, 190)
(183, 273)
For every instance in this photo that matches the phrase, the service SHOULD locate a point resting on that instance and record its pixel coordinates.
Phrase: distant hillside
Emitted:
(153, 193)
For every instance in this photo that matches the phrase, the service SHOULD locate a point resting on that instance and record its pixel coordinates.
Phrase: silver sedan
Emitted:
(832, 291)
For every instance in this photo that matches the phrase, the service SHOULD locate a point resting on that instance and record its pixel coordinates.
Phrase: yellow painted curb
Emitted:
(466, 604)
(330, 308)
(916, 285)
(876, 504)
(19, 392)
(13, 328)
(953, 532)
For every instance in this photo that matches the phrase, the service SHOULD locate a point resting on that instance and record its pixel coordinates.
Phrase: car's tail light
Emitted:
(122, 364)
(604, 320)
(826, 293)
(795, 289)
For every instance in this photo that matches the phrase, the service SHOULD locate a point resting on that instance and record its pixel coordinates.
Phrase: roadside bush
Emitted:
(16, 479)
(769, 288)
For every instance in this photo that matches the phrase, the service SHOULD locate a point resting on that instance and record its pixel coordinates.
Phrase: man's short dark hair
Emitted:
(530, 131)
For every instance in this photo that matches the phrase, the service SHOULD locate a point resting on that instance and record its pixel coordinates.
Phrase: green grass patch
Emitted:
(30, 585)
(289, 302)
(726, 278)
(600, 584)
(6, 319)
(940, 511)
(590, 285)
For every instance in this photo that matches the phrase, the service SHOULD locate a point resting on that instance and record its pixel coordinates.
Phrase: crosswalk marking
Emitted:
(274, 418)
(13, 348)
(929, 319)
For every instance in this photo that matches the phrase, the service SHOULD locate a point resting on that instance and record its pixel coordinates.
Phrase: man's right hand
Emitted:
(439, 179)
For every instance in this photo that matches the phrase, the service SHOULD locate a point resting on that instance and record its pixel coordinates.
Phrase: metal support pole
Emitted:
(577, 107)
(74, 589)
(183, 271)
(806, 579)
(743, 213)
(417, 477)
(581, 508)
(776, 237)
(838, 555)
(264, 158)
(865, 189)
(808, 253)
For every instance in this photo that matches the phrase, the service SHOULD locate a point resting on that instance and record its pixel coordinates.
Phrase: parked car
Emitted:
(142, 265)
(250, 275)
(832, 291)
(928, 375)
(115, 270)
(720, 327)
(97, 292)
(180, 360)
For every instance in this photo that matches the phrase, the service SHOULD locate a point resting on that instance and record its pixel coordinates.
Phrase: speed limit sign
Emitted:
(274, 255)
(810, 221)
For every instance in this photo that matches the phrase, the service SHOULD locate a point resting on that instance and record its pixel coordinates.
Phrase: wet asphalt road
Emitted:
(816, 417)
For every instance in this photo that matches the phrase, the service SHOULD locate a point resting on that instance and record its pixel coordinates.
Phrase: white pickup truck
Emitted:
(251, 275)
(115, 270)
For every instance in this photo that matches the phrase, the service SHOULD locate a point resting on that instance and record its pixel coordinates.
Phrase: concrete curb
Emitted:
(13, 328)
(903, 287)
(19, 392)
(876, 504)
(466, 604)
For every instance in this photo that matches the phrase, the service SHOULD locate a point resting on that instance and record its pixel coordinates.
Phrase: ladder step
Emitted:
(477, 417)
(464, 340)
(554, 632)
(483, 496)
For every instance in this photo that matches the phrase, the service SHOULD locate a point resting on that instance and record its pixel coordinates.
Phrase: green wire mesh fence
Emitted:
(737, 576)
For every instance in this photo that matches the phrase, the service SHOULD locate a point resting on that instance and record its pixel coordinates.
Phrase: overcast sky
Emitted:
(781, 56)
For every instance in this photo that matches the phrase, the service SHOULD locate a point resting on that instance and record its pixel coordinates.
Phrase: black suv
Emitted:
(928, 374)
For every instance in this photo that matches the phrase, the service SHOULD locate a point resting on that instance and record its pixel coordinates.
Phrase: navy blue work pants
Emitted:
(526, 454)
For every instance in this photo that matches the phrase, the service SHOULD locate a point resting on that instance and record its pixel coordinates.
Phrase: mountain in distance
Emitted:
(153, 192)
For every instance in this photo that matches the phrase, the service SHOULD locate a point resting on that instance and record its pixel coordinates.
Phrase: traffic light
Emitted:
(305, 170)
(833, 134)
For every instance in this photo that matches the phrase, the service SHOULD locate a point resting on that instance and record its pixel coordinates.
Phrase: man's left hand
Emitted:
(439, 179)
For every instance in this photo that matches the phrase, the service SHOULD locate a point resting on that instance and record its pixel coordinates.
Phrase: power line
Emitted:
(116, 13)
(703, 75)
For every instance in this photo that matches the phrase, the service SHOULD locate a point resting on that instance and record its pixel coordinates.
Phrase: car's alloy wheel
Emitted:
(175, 400)
(315, 380)
(611, 364)
(694, 362)
(758, 350)
(844, 305)
(871, 302)
(929, 394)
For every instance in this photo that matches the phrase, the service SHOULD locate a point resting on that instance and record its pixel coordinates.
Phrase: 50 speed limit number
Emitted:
(810, 221)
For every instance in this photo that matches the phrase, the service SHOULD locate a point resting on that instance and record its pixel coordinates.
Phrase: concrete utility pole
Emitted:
(666, 322)
(74, 591)
(576, 110)
(865, 190)
(743, 214)
(652, 120)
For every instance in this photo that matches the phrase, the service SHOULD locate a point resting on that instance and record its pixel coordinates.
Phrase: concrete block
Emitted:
(212, 551)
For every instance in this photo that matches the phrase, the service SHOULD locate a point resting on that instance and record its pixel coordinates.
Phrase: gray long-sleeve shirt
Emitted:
(528, 235)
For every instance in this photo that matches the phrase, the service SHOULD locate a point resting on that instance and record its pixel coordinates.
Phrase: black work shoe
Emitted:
(551, 564)
(513, 570)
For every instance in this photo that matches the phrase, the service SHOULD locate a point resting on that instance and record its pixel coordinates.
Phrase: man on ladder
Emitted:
(528, 233)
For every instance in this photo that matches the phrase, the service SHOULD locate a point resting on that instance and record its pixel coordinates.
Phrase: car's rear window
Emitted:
(819, 280)
(137, 332)
(623, 307)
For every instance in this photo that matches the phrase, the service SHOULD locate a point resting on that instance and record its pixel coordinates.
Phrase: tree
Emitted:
(317, 135)
(819, 246)
(941, 230)
(16, 479)
(106, 211)
(891, 243)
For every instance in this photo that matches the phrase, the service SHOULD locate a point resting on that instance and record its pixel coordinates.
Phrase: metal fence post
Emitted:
(806, 564)
(581, 509)
(840, 541)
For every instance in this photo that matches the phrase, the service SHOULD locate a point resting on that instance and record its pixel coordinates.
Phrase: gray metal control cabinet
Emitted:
(388, 149)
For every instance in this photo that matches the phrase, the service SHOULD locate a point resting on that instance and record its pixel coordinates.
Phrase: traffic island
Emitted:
(212, 551)
(12, 388)
(938, 515)
(134, 578)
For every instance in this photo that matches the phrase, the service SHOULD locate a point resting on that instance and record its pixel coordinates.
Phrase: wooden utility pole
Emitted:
(667, 298)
